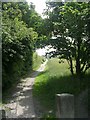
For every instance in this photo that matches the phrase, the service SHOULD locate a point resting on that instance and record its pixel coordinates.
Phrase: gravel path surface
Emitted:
(21, 104)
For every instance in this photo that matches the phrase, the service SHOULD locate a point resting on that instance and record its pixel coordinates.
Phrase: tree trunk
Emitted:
(78, 65)
(71, 66)
(78, 71)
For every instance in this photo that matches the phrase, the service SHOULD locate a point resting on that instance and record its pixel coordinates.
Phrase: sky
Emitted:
(40, 5)
(43, 51)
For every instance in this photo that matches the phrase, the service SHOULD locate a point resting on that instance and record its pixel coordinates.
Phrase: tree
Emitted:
(17, 44)
(71, 25)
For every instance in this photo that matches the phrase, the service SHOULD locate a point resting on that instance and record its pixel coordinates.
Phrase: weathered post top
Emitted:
(65, 105)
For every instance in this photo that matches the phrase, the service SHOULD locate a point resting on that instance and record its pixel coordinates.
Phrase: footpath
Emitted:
(21, 104)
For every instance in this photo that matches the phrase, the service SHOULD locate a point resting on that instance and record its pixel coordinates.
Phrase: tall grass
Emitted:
(57, 79)
(37, 60)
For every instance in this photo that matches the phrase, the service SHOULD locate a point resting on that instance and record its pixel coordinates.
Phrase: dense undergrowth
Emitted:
(37, 60)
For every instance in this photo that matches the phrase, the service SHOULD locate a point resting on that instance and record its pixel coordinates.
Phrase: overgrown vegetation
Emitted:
(37, 60)
(57, 79)
(19, 35)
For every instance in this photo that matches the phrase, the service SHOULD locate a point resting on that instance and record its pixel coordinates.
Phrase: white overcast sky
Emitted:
(39, 4)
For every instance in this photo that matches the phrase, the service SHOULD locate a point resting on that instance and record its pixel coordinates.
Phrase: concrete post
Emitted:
(3, 114)
(65, 105)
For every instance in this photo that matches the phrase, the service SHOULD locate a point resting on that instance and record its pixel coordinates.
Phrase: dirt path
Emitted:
(21, 103)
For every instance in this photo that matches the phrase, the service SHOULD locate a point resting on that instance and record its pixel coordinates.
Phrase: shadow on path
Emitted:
(20, 104)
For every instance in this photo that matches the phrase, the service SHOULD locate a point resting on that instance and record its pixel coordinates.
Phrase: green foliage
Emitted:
(56, 79)
(71, 24)
(18, 43)
(37, 60)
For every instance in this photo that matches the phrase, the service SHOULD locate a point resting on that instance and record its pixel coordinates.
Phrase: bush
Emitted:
(17, 42)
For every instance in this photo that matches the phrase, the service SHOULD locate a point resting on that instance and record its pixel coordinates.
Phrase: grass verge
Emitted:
(57, 79)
